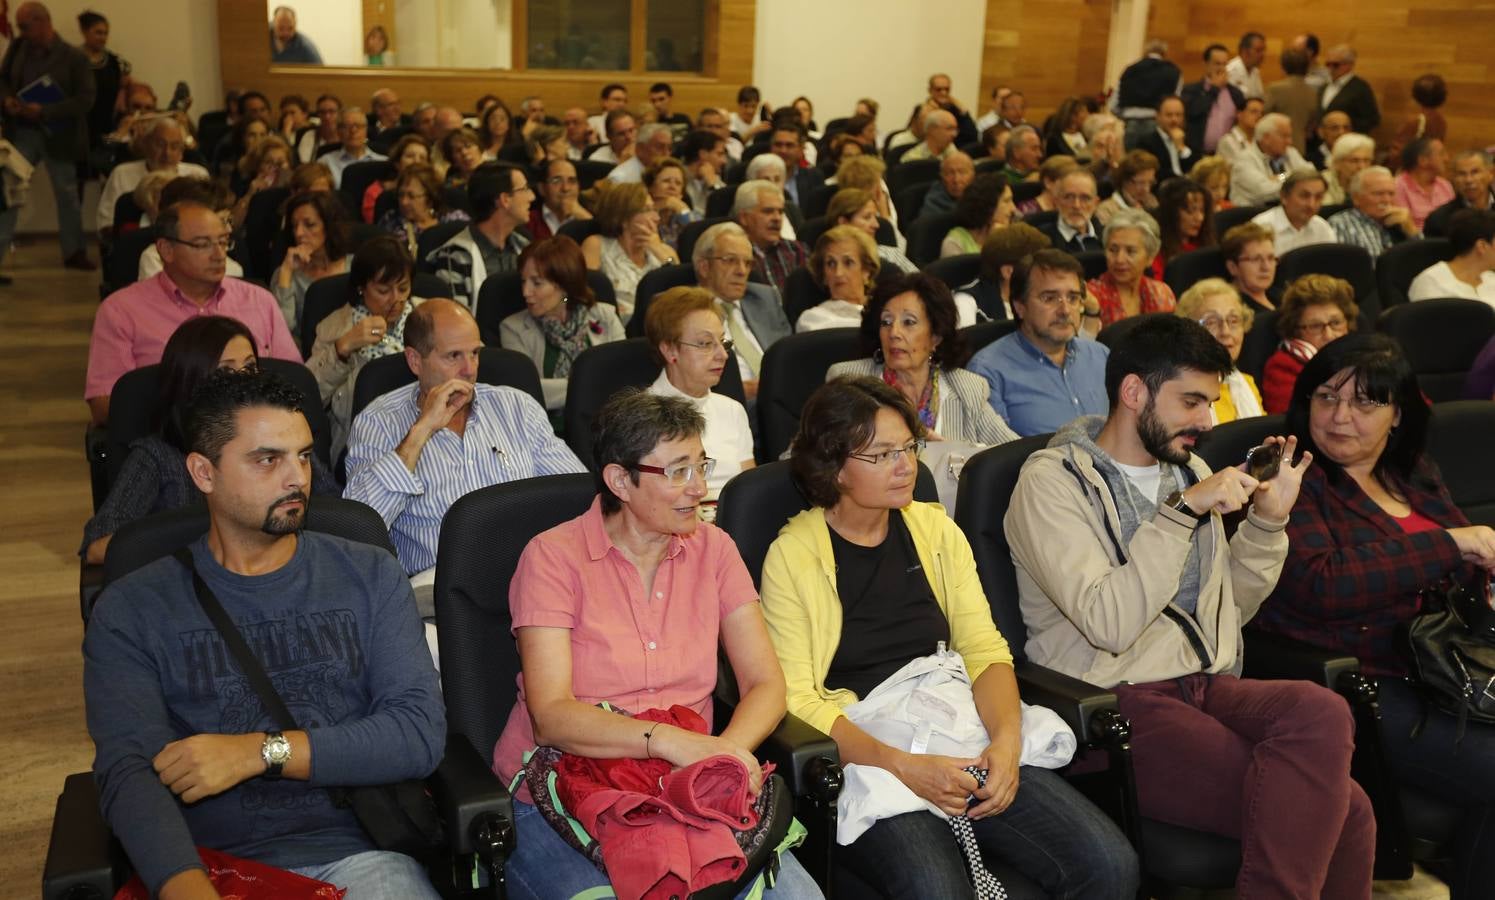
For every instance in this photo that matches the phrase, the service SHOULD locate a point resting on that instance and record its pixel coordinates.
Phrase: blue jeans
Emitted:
(375, 875)
(64, 176)
(1465, 778)
(544, 867)
(1050, 833)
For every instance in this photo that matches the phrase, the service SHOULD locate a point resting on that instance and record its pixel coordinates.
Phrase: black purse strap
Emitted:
(249, 664)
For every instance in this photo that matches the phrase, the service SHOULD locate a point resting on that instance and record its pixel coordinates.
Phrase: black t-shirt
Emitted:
(888, 612)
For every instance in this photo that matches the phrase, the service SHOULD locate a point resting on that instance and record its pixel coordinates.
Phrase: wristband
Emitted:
(647, 736)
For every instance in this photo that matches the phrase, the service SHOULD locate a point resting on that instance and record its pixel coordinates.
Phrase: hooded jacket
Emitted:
(1102, 611)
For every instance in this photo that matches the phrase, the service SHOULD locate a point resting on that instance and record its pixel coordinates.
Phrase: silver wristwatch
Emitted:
(276, 752)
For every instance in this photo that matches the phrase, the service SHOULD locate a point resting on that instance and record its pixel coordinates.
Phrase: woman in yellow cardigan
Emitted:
(868, 580)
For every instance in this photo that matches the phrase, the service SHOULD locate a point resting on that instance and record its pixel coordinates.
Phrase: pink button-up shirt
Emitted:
(1419, 202)
(636, 652)
(134, 323)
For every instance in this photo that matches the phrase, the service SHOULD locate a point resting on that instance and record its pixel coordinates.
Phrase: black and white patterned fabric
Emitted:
(986, 884)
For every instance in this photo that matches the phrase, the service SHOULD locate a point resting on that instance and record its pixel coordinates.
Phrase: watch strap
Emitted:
(273, 766)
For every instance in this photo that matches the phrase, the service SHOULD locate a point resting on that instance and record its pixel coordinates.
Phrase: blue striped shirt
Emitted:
(508, 437)
(1357, 229)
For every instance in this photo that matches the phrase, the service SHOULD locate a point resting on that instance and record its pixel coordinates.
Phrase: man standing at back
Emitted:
(1127, 580)
(1211, 103)
(50, 128)
(186, 755)
(1245, 70)
(287, 45)
(1348, 92)
(1142, 86)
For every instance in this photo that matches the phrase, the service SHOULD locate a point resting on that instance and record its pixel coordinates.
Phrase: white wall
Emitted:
(335, 26)
(835, 51)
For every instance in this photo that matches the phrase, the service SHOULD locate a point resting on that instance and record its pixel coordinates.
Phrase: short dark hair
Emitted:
(293, 100)
(191, 354)
(838, 420)
(661, 87)
(1468, 227)
(1413, 152)
(1158, 348)
(748, 94)
(212, 416)
(1430, 90)
(612, 116)
(1211, 49)
(249, 95)
(1311, 43)
(939, 311)
(88, 19)
(629, 426)
(976, 206)
(211, 194)
(1047, 260)
(487, 183)
(336, 226)
(696, 142)
(169, 221)
(1295, 61)
(383, 259)
(558, 259)
(1249, 38)
(784, 123)
(610, 87)
(1381, 373)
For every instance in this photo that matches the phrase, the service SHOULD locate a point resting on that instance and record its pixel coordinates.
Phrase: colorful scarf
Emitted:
(393, 340)
(568, 336)
(929, 401)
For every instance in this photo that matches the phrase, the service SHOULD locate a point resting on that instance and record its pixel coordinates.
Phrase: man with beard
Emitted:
(1127, 580)
(1043, 375)
(186, 755)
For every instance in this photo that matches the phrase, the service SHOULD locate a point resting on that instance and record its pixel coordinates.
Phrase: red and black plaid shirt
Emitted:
(778, 261)
(1352, 574)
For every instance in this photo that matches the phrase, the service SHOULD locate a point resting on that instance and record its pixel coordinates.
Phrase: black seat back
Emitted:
(813, 229)
(925, 234)
(1259, 343)
(956, 271)
(1116, 332)
(1441, 339)
(482, 537)
(692, 233)
(1186, 269)
(261, 228)
(1026, 190)
(1459, 440)
(819, 199)
(1227, 219)
(432, 238)
(1397, 266)
(502, 295)
(1226, 444)
(982, 333)
(792, 369)
(1346, 261)
(909, 200)
(654, 283)
(124, 257)
(496, 366)
(357, 178)
(916, 171)
(1092, 261)
(801, 292)
(719, 202)
(591, 171)
(579, 230)
(1042, 218)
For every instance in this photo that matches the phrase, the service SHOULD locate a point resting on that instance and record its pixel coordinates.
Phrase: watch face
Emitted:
(277, 750)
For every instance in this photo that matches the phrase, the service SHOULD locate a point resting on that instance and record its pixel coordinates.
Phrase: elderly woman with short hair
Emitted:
(1217, 306)
(845, 263)
(1316, 309)
(1351, 153)
(1135, 177)
(629, 246)
(1131, 241)
(910, 331)
(858, 207)
(665, 182)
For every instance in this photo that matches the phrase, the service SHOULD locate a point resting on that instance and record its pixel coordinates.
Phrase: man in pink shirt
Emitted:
(134, 323)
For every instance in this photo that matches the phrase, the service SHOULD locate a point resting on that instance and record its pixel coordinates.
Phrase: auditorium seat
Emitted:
(925, 234)
(793, 367)
(956, 271)
(1460, 437)
(1227, 219)
(1399, 265)
(909, 200)
(1344, 261)
(1441, 338)
(1186, 269)
(918, 171)
(502, 295)
(654, 283)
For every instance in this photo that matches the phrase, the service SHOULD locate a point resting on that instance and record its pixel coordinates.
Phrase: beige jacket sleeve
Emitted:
(331, 371)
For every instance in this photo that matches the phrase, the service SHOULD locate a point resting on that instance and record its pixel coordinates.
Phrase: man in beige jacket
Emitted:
(1127, 580)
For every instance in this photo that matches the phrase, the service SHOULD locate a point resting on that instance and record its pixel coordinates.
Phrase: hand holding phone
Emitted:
(1264, 461)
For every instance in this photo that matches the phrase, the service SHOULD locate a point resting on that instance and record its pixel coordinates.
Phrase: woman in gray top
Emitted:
(317, 237)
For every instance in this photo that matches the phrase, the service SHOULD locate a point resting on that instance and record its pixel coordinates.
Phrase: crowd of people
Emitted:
(1065, 228)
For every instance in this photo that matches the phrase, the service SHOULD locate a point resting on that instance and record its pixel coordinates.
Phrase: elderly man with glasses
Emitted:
(134, 323)
(753, 313)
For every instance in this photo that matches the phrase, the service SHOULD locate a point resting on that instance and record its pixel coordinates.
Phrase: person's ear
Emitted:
(617, 480)
(413, 360)
(1134, 393)
(202, 471)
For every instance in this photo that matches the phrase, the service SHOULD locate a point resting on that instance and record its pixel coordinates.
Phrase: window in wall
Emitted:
(579, 34)
(673, 36)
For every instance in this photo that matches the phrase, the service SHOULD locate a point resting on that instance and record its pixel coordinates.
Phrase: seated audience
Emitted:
(1167, 142)
(1135, 177)
(985, 205)
(1316, 309)
(310, 177)
(1213, 174)
(163, 146)
(1375, 222)
(1214, 304)
(1145, 595)
(369, 326)
(911, 333)
(1250, 256)
(561, 316)
(758, 207)
(1352, 153)
(1242, 136)
(904, 573)
(1373, 526)
(628, 245)
(542, 143)
(572, 602)
(311, 142)
(705, 156)
(241, 140)
(1050, 173)
(788, 142)
(1077, 229)
(560, 199)
(318, 243)
(420, 204)
(1105, 134)
(1024, 153)
(1256, 175)
(856, 207)
(1186, 221)
(134, 323)
(409, 150)
(956, 172)
(665, 182)
(463, 154)
(939, 137)
(353, 131)
(845, 265)
(1472, 179)
(184, 759)
(989, 292)
(1044, 374)
(416, 450)
(1066, 133)
(687, 337)
(653, 144)
(620, 130)
(497, 136)
(753, 313)
(147, 195)
(1124, 289)
(1332, 126)
(500, 196)
(154, 476)
(213, 194)
(1471, 273)
(267, 166)
(866, 172)
(1420, 186)
(1295, 222)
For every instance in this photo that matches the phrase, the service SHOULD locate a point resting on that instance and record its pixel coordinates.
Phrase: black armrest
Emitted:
(1274, 656)
(475, 807)
(807, 759)
(83, 859)
(96, 451)
(1089, 711)
(90, 583)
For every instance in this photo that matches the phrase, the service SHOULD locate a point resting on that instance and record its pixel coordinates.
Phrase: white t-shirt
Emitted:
(830, 314)
(728, 439)
(1146, 479)
(1438, 281)
(1286, 237)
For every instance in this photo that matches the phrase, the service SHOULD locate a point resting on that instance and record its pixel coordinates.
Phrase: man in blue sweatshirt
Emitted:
(186, 754)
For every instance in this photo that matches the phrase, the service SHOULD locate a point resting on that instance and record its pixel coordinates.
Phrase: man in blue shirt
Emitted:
(1044, 374)
(186, 755)
(418, 449)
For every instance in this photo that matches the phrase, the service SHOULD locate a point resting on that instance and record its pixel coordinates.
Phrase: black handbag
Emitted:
(1451, 648)
(401, 817)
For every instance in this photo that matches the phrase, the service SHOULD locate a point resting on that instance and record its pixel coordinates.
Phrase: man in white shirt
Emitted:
(715, 121)
(353, 128)
(754, 314)
(621, 131)
(614, 96)
(1470, 275)
(1296, 221)
(939, 137)
(560, 202)
(654, 143)
(993, 115)
(1245, 69)
(163, 145)
(1256, 175)
(578, 132)
(705, 156)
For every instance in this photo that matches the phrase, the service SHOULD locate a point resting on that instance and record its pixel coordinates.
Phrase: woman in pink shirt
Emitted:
(628, 604)
(1421, 187)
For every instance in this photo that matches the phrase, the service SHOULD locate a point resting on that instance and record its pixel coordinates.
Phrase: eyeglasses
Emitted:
(679, 475)
(888, 456)
(1057, 298)
(708, 346)
(1328, 400)
(1232, 322)
(204, 245)
(1335, 324)
(733, 262)
(1076, 198)
(559, 180)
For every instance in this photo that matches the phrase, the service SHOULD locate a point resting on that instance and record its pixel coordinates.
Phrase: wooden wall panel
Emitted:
(246, 64)
(1396, 41)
